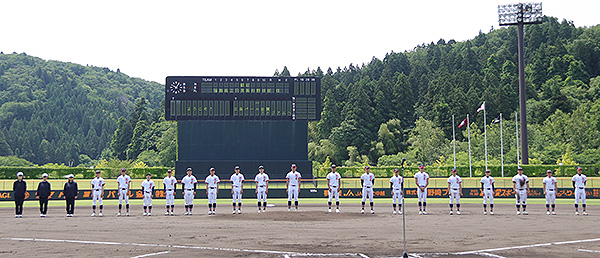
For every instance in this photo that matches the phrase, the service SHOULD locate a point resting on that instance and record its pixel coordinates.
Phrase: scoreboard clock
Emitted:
(242, 98)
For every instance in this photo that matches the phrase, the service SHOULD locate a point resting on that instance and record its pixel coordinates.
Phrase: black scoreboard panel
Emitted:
(242, 98)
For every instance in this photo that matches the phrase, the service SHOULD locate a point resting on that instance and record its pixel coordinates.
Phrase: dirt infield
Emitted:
(308, 232)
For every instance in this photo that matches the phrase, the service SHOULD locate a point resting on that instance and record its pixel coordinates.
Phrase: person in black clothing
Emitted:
(43, 192)
(19, 189)
(70, 192)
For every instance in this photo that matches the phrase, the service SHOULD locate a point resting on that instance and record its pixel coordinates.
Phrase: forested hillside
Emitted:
(376, 112)
(59, 112)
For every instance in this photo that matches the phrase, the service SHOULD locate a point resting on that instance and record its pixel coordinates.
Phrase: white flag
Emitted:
(482, 107)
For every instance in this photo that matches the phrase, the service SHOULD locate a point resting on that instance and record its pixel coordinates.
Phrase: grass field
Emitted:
(6, 185)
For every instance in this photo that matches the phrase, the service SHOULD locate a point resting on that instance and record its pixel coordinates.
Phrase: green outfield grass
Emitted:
(503, 182)
(159, 203)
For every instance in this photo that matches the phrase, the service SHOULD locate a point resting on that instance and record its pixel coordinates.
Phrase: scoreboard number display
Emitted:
(242, 98)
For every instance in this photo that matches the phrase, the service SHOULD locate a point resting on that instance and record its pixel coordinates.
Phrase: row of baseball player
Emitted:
(520, 186)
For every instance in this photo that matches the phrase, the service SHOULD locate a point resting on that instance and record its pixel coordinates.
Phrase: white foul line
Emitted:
(528, 246)
(152, 254)
(589, 251)
(187, 247)
(491, 255)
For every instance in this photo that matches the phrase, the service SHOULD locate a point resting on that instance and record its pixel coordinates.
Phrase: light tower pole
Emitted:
(521, 14)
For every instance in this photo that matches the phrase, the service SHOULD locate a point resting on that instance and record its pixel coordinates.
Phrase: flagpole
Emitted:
(501, 146)
(517, 130)
(485, 136)
(454, 141)
(469, 137)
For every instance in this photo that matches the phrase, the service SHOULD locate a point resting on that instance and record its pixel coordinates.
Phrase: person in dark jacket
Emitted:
(19, 190)
(70, 192)
(43, 192)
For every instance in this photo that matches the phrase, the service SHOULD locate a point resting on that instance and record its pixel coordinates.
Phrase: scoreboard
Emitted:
(242, 98)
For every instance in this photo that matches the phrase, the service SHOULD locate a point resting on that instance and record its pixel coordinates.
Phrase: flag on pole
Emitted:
(496, 121)
(482, 107)
(463, 123)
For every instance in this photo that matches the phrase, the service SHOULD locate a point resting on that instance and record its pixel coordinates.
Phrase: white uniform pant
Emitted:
(579, 195)
(123, 195)
(335, 191)
(147, 198)
(261, 194)
(396, 196)
(488, 196)
(293, 193)
(550, 196)
(188, 195)
(454, 195)
(212, 195)
(96, 196)
(170, 197)
(521, 195)
(237, 195)
(422, 195)
(367, 191)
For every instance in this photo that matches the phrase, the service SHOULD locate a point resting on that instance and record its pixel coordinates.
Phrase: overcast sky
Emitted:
(155, 39)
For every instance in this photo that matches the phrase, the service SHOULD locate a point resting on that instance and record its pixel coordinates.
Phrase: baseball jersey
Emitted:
(396, 182)
(550, 182)
(147, 185)
(487, 181)
(454, 181)
(294, 178)
(97, 183)
(421, 178)
(188, 182)
(367, 179)
(261, 179)
(237, 180)
(333, 178)
(520, 178)
(579, 180)
(123, 181)
(212, 181)
(169, 182)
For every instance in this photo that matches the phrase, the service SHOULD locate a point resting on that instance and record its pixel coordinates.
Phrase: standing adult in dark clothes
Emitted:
(43, 192)
(70, 192)
(19, 189)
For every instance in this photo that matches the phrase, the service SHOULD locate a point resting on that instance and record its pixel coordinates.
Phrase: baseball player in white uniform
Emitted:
(579, 181)
(521, 188)
(189, 191)
(422, 181)
(454, 190)
(237, 188)
(550, 191)
(170, 185)
(148, 189)
(97, 193)
(367, 179)
(487, 191)
(396, 182)
(262, 187)
(293, 186)
(333, 181)
(212, 190)
(124, 182)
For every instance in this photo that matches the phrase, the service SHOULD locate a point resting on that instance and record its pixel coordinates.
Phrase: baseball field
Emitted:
(309, 232)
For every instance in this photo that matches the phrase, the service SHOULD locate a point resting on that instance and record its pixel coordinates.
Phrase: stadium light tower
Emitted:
(521, 14)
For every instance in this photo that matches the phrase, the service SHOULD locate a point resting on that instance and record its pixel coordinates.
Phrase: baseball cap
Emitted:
(520, 168)
(579, 168)
(333, 165)
(70, 176)
(45, 175)
(212, 169)
(421, 166)
(548, 171)
(237, 167)
(123, 169)
(395, 169)
(169, 171)
(488, 171)
(189, 169)
(148, 174)
(454, 169)
(261, 167)
(367, 166)
(19, 173)
(293, 165)
(97, 171)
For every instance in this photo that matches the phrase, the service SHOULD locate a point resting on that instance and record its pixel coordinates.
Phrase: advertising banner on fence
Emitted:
(591, 193)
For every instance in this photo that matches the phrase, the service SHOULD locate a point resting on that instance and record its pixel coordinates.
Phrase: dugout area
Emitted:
(310, 232)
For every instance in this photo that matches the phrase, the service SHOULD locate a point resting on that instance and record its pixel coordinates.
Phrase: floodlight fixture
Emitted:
(521, 13)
